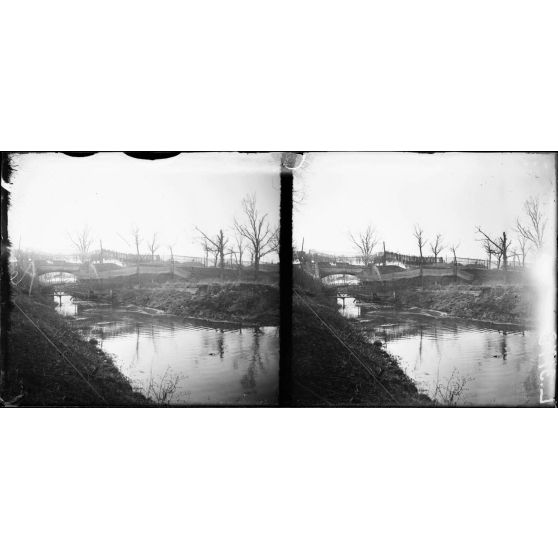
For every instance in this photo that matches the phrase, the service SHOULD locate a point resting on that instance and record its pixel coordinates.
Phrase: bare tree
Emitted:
(136, 240)
(261, 237)
(536, 225)
(505, 246)
(274, 243)
(172, 258)
(208, 249)
(514, 255)
(437, 247)
(453, 248)
(498, 259)
(136, 236)
(365, 242)
(239, 249)
(523, 248)
(82, 241)
(500, 247)
(217, 245)
(153, 246)
(489, 250)
(421, 241)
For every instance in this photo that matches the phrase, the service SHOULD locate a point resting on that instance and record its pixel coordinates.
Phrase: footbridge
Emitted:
(377, 274)
(93, 271)
(147, 266)
(324, 269)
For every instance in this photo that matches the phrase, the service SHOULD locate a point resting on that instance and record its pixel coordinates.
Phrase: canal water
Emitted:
(457, 361)
(192, 362)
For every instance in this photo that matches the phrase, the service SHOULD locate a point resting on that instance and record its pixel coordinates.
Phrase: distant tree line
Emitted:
(252, 235)
(530, 236)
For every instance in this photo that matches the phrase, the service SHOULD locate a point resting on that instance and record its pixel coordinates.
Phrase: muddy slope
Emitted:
(335, 365)
(45, 378)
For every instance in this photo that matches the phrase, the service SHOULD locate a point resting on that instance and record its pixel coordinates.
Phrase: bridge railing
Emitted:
(201, 261)
(513, 263)
(124, 257)
(409, 260)
(377, 258)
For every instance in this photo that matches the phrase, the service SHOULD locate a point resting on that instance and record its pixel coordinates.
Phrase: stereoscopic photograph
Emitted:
(153, 279)
(140, 279)
(424, 279)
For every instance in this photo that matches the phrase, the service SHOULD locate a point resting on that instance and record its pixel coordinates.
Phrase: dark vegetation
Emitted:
(334, 364)
(501, 304)
(246, 303)
(45, 378)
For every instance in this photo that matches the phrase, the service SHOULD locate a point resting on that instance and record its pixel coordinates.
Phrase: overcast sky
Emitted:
(54, 195)
(447, 193)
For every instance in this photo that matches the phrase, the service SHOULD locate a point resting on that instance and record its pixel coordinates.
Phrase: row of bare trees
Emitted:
(530, 235)
(366, 241)
(83, 241)
(253, 234)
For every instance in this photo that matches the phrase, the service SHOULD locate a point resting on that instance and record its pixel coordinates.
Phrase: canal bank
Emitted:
(182, 361)
(51, 365)
(334, 364)
(241, 303)
(496, 304)
(458, 361)
(70, 352)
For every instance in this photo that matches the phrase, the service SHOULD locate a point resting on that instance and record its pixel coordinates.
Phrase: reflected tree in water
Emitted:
(248, 381)
(504, 346)
(421, 334)
(154, 339)
(532, 384)
(221, 343)
(137, 340)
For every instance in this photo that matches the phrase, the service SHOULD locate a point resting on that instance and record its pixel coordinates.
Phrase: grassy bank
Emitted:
(335, 365)
(45, 377)
(504, 304)
(235, 302)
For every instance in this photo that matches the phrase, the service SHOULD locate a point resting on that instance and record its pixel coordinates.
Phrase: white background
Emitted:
(250, 75)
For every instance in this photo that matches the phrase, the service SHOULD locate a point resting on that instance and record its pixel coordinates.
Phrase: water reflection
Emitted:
(221, 343)
(348, 306)
(499, 364)
(255, 366)
(211, 365)
(65, 305)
